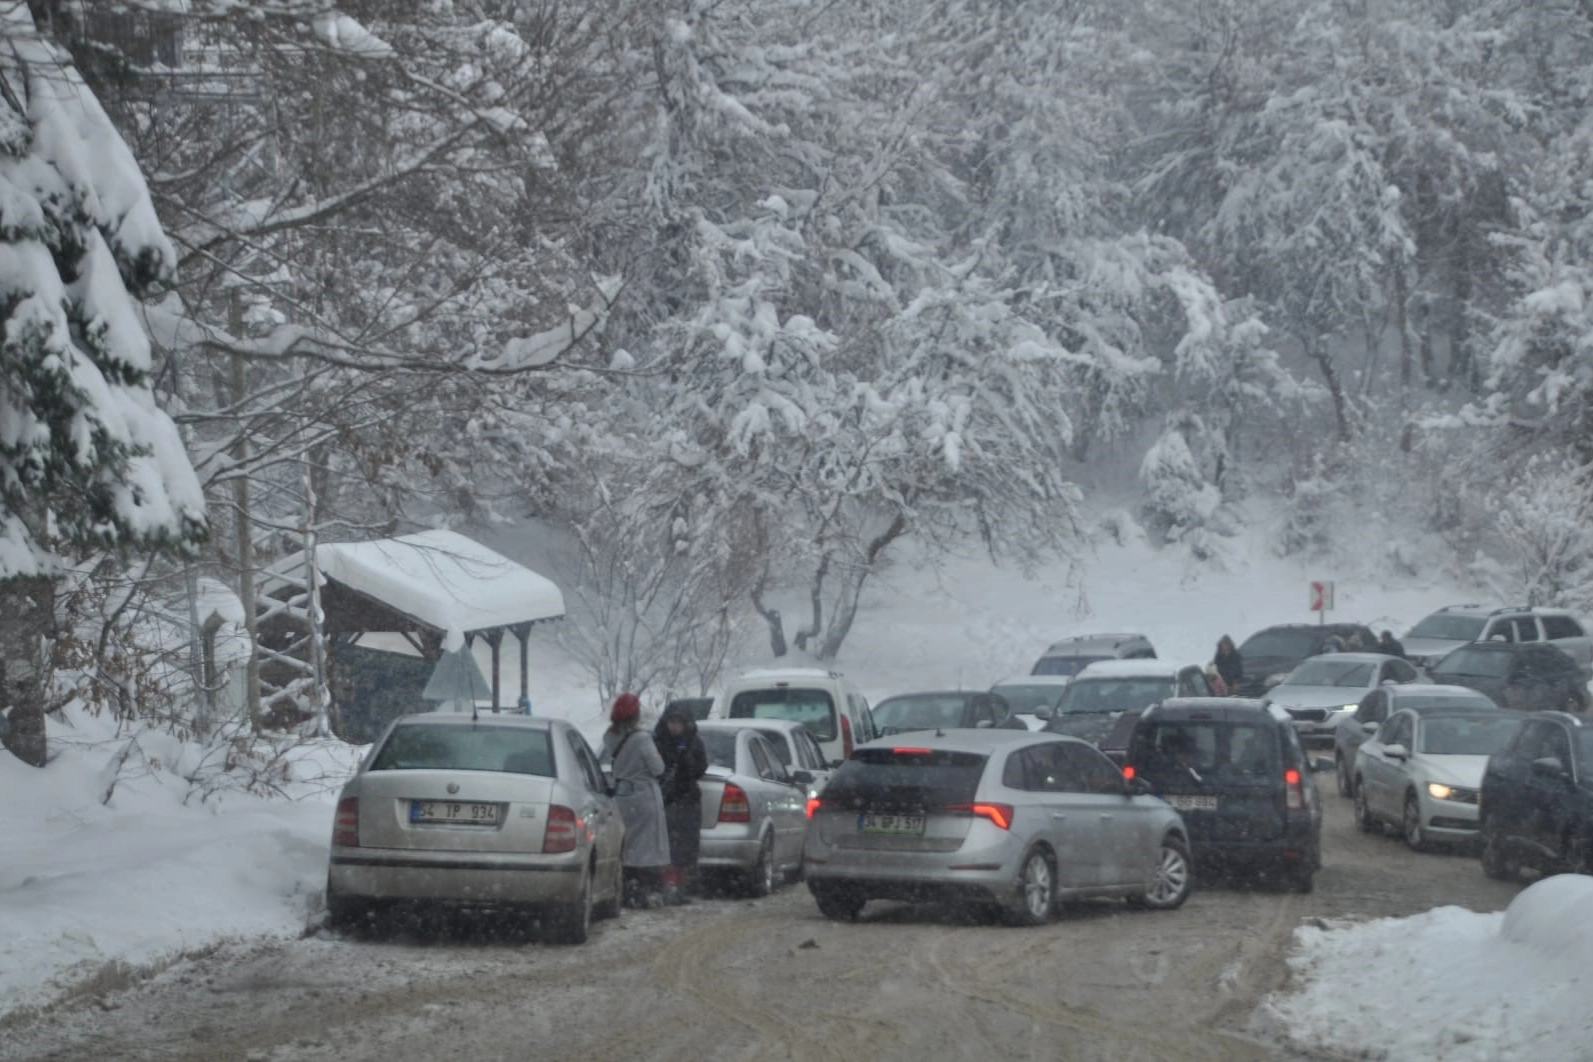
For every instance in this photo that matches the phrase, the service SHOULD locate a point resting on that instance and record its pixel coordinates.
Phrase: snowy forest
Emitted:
(737, 298)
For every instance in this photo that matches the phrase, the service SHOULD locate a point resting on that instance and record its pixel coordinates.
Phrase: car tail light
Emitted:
(562, 830)
(733, 807)
(1294, 789)
(846, 738)
(346, 824)
(1000, 814)
(814, 804)
(912, 752)
(1129, 773)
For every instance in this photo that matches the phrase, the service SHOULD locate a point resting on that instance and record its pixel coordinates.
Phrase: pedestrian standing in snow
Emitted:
(1391, 645)
(1230, 665)
(1334, 644)
(1219, 688)
(637, 770)
(685, 761)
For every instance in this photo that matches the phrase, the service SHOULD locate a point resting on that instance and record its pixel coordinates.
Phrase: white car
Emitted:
(1027, 694)
(832, 709)
(1323, 691)
(1422, 771)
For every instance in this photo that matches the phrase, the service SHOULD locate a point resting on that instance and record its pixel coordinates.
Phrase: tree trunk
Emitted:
(816, 621)
(771, 616)
(852, 589)
(245, 526)
(1335, 385)
(27, 623)
(1402, 322)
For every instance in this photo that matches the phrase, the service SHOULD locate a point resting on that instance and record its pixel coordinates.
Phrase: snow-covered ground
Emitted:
(84, 885)
(1450, 983)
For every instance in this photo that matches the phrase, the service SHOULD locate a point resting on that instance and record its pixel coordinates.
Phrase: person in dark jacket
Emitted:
(685, 761)
(1391, 645)
(1230, 665)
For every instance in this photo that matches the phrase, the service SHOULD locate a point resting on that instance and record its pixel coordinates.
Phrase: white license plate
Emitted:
(459, 814)
(906, 825)
(1193, 803)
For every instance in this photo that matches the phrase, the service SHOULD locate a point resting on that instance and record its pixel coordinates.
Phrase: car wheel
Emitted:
(610, 908)
(1036, 892)
(1175, 878)
(1299, 877)
(1495, 863)
(1410, 824)
(839, 904)
(344, 913)
(760, 880)
(1363, 812)
(571, 923)
(1342, 770)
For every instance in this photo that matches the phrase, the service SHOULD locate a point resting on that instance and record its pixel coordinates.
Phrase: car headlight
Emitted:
(1439, 791)
(1347, 707)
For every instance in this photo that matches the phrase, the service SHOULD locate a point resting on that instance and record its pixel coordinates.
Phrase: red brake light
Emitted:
(1000, 814)
(814, 804)
(346, 824)
(1291, 776)
(561, 832)
(1129, 772)
(846, 737)
(1294, 794)
(733, 807)
(912, 752)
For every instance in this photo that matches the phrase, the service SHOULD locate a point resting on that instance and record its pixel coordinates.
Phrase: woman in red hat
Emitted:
(637, 771)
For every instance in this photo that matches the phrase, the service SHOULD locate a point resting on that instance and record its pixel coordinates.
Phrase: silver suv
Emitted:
(1451, 627)
(1072, 655)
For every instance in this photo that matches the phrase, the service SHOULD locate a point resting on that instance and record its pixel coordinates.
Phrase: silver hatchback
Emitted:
(1009, 818)
(496, 810)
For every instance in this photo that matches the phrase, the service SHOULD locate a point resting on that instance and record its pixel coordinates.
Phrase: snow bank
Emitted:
(1449, 983)
(85, 886)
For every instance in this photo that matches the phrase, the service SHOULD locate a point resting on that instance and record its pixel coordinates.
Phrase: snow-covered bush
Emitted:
(1545, 520)
(1180, 495)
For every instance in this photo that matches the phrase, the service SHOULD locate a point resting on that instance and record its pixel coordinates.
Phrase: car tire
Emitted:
(1035, 901)
(1410, 825)
(611, 908)
(344, 913)
(837, 903)
(1175, 878)
(1495, 864)
(1342, 771)
(1364, 820)
(1299, 878)
(571, 923)
(760, 881)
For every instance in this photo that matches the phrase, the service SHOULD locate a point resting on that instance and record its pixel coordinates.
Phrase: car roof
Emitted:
(933, 693)
(1353, 658)
(957, 739)
(1083, 641)
(1426, 690)
(784, 725)
(1131, 669)
(1326, 628)
(523, 722)
(1225, 709)
(1502, 610)
(774, 674)
(1034, 680)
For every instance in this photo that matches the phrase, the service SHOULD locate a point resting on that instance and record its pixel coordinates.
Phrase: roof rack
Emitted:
(1509, 609)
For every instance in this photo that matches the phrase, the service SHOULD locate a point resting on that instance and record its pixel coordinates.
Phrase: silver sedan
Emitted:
(500, 810)
(754, 809)
(1323, 691)
(1011, 818)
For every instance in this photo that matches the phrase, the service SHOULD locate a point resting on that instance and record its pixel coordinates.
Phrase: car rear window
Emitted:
(720, 745)
(1215, 750)
(1089, 695)
(1561, 627)
(1326, 671)
(1065, 665)
(919, 712)
(1467, 735)
(454, 747)
(777, 741)
(1484, 663)
(1288, 644)
(1449, 628)
(906, 777)
(1025, 699)
(814, 709)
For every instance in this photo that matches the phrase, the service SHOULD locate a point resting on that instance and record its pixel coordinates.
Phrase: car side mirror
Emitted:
(800, 777)
(1548, 767)
(1045, 713)
(1391, 682)
(1134, 787)
(1396, 752)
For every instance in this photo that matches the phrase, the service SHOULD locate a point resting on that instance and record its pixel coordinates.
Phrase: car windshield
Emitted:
(1466, 735)
(1214, 751)
(812, 708)
(906, 777)
(456, 747)
(1293, 645)
(1094, 696)
(1065, 665)
(720, 746)
(777, 741)
(925, 711)
(1481, 663)
(1326, 671)
(1025, 699)
(1449, 628)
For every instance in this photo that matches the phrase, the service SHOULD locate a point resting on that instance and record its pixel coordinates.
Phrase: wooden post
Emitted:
(522, 631)
(495, 639)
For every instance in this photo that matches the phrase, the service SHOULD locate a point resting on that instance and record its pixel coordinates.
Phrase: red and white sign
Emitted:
(1321, 597)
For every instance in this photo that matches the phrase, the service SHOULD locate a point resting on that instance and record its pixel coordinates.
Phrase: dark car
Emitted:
(1273, 652)
(1234, 769)
(696, 707)
(1093, 702)
(1377, 706)
(1537, 799)
(1525, 676)
(945, 710)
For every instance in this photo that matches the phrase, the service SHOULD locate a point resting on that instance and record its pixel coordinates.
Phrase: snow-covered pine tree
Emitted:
(88, 463)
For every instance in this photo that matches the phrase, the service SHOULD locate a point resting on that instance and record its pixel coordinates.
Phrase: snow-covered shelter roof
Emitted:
(443, 580)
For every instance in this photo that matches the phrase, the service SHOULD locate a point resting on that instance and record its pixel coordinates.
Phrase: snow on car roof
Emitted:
(445, 580)
(1131, 669)
(1034, 680)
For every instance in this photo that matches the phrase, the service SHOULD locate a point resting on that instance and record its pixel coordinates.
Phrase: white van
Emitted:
(835, 714)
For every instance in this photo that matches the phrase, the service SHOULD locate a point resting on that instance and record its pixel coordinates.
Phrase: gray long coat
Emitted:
(637, 769)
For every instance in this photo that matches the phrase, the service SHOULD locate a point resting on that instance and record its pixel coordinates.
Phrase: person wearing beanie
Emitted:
(638, 770)
(685, 761)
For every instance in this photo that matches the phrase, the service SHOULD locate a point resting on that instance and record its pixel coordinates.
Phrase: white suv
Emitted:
(834, 712)
(1456, 625)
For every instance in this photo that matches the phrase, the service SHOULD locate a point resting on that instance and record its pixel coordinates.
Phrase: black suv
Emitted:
(1537, 799)
(1526, 676)
(1234, 769)
(1273, 652)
